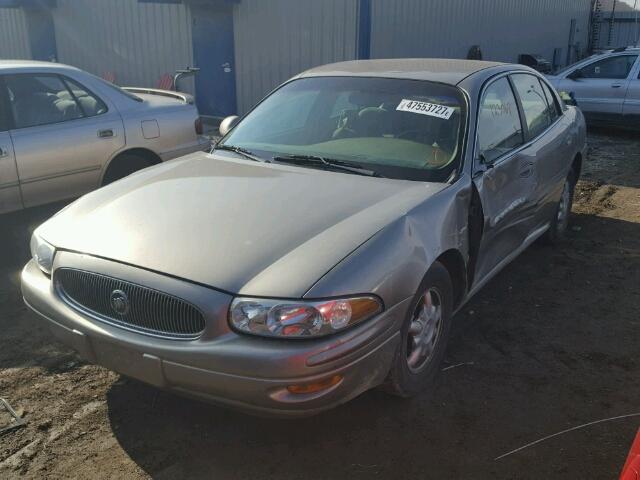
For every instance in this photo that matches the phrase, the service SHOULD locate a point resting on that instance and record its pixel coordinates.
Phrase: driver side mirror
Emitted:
(227, 124)
(569, 99)
(575, 75)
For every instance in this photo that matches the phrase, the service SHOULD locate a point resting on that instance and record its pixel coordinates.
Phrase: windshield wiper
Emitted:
(240, 151)
(326, 163)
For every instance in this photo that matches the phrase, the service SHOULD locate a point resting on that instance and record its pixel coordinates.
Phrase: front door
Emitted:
(601, 87)
(508, 180)
(213, 54)
(62, 136)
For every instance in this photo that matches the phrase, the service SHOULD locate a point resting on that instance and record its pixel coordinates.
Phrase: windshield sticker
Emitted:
(425, 108)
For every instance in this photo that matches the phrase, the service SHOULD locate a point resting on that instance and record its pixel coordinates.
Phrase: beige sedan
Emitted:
(65, 132)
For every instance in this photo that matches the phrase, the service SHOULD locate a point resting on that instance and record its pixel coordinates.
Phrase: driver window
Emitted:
(614, 68)
(499, 127)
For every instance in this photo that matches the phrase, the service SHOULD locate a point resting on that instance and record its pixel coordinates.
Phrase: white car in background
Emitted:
(606, 87)
(64, 132)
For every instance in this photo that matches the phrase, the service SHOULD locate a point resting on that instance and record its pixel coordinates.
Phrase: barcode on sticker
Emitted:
(425, 108)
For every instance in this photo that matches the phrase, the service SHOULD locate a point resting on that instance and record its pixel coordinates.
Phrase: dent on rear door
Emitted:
(507, 195)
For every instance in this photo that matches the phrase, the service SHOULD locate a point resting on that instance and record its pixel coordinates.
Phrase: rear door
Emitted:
(601, 87)
(9, 186)
(549, 142)
(62, 136)
(506, 179)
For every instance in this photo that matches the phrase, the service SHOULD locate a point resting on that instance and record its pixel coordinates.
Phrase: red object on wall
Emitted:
(631, 469)
(165, 82)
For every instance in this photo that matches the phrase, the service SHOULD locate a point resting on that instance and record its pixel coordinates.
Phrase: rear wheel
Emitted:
(560, 221)
(124, 165)
(424, 335)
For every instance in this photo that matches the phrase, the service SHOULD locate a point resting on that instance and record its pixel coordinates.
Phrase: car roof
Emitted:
(442, 70)
(16, 65)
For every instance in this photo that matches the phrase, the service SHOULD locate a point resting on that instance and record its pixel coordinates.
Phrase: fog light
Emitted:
(316, 386)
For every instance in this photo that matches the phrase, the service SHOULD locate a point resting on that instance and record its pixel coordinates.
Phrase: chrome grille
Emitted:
(147, 311)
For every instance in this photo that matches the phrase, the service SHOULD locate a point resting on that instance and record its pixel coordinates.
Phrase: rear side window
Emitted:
(534, 103)
(614, 68)
(36, 99)
(499, 127)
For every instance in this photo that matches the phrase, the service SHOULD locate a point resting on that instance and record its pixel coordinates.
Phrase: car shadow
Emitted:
(548, 342)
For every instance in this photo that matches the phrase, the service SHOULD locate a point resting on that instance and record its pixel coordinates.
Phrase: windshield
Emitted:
(405, 129)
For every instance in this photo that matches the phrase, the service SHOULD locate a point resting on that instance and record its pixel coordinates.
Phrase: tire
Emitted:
(560, 221)
(124, 165)
(413, 371)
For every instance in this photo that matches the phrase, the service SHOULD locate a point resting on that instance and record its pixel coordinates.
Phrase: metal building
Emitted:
(245, 48)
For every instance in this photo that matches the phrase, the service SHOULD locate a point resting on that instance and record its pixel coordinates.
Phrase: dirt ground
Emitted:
(550, 344)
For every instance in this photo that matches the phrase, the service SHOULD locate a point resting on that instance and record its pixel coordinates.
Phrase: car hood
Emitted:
(236, 225)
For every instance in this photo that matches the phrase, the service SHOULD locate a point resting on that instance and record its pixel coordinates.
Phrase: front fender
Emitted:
(393, 262)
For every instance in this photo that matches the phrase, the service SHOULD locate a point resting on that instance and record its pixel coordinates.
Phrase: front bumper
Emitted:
(223, 367)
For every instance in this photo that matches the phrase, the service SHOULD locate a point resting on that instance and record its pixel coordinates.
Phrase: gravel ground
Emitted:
(550, 344)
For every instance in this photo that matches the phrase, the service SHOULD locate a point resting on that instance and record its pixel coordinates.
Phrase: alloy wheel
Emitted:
(424, 330)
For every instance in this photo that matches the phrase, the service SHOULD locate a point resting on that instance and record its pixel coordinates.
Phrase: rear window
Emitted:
(534, 103)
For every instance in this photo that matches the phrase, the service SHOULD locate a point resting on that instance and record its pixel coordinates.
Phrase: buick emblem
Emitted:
(119, 302)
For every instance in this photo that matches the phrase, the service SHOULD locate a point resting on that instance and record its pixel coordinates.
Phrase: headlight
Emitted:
(300, 319)
(42, 253)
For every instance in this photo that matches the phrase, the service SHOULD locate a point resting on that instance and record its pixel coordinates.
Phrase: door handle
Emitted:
(4, 152)
(616, 85)
(106, 133)
(527, 170)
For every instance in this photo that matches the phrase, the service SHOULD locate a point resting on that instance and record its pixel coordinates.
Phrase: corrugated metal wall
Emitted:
(277, 39)
(624, 32)
(502, 28)
(138, 42)
(14, 38)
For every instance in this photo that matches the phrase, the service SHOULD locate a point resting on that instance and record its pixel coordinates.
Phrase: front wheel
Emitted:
(424, 335)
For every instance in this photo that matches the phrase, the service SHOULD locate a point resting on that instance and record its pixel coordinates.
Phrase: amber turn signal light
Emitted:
(316, 386)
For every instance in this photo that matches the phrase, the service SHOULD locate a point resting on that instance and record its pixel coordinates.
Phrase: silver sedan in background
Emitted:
(323, 247)
(64, 132)
(606, 87)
